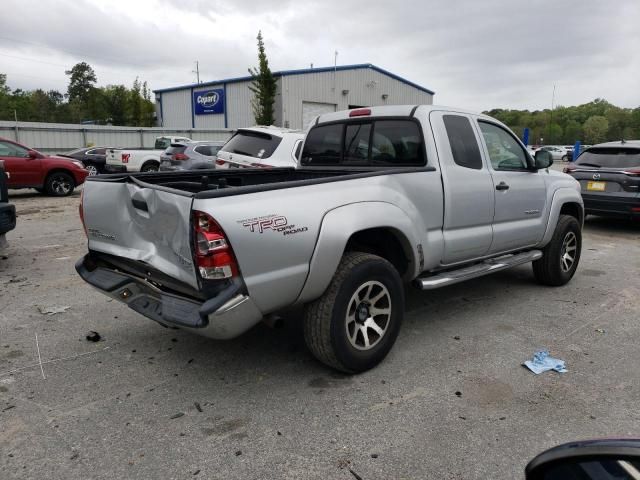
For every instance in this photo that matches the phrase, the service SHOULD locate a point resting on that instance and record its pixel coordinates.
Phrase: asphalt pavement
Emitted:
(452, 400)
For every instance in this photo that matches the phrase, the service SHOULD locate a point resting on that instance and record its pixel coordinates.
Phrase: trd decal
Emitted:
(274, 223)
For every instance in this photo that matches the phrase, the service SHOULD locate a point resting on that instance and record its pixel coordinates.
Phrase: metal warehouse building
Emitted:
(301, 96)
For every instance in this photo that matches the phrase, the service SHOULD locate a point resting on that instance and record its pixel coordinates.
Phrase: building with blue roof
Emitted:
(301, 96)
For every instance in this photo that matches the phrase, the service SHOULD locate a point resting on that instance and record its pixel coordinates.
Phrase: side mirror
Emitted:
(543, 159)
(33, 154)
(588, 460)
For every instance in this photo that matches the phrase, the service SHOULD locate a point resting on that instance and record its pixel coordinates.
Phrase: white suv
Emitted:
(258, 147)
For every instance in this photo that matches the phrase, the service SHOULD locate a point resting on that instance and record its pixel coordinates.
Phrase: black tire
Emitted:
(552, 269)
(59, 184)
(150, 167)
(564, 158)
(339, 342)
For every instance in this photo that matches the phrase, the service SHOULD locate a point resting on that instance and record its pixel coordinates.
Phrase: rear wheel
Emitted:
(561, 256)
(354, 324)
(92, 169)
(150, 167)
(564, 158)
(59, 184)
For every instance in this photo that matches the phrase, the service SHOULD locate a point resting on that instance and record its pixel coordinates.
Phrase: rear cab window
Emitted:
(375, 142)
(610, 158)
(252, 144)
(464, 146)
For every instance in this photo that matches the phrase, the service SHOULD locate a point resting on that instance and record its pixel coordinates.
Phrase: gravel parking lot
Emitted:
(451, 401)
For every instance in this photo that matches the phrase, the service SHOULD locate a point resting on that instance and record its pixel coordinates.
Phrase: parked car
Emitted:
(609, 176)
(140, 159)
(7, 210)
(93, 158)
(190, 156)
(569, 153)
(28, 168)
(383, 195)
(261, 147)
(557, 153)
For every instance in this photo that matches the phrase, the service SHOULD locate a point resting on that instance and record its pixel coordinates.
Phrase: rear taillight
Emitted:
(180, 156)
(632, 172)
(81, 212)
(569, 169)
(214, 256)
(219, 161)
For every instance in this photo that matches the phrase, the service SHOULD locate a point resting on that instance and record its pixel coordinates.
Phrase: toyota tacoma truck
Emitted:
(141, 159)
(383, 196)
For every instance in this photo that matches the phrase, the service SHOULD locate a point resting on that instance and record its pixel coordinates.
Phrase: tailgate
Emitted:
(143, 224)
(114, 157)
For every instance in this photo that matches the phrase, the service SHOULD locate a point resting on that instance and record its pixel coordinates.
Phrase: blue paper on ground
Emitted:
(542, 362)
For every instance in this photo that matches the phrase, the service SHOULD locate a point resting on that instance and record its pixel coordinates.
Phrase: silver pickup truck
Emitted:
(383, 196)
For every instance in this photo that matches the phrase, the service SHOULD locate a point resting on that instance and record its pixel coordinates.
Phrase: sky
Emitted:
(475, 54)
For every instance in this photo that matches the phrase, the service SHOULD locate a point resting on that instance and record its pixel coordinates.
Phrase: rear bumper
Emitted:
(110, 168)
(225, 316)
(610, 205)
(7, 217)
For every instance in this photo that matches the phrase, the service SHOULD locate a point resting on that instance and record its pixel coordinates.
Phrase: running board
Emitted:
(491, 265)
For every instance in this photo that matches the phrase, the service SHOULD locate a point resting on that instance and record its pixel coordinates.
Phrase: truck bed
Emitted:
(223, 183)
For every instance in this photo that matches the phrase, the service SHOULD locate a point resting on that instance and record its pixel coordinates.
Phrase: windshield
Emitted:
(610, 158)
(252, 144)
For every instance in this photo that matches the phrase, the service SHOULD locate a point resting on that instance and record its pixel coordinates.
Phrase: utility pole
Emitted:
(335, 68)
(553, 98)
(197, 71)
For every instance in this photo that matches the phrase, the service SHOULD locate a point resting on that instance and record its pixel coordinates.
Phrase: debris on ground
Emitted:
(177, 415)
(52, 310)
(356, 476)
(198, 407)
(93, 336)
(600, 330)
(543, 362)
(238, 453)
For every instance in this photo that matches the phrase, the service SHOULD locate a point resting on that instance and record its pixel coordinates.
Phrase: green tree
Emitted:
(82, 80)
(116, 102)
(572, 132)
(263, 87)
(595, 129)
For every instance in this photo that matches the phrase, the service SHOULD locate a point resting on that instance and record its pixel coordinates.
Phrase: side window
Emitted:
(323, 145)
(204, 150)
(10, 150)
(98, 151)
(396, 142)
(356, 143)
(505, 152)
(464, 146)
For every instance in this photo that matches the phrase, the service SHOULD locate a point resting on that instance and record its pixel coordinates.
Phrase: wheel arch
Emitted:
(59, 170)
(564, 201)
(150, 161)
(379, 228)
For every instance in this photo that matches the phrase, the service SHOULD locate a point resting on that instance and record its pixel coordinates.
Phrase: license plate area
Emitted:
(596, 186)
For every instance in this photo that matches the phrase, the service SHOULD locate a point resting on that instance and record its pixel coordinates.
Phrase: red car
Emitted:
(28, 168)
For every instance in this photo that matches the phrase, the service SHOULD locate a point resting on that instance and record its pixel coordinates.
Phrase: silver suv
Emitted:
(190, 156)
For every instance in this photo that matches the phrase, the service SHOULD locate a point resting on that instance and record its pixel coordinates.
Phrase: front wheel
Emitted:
(561, 255)
(59, 184)
(354, 324)
(565, 158)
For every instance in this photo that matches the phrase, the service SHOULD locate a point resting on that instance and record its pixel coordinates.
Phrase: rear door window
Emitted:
(375, 143)
(204, 150)
(610, 158)
(252, 144)
(464, 146)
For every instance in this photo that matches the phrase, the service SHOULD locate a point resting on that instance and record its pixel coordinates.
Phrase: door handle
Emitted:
(502, 186)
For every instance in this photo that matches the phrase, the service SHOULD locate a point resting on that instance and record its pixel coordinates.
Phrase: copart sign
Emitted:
(208, 102)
